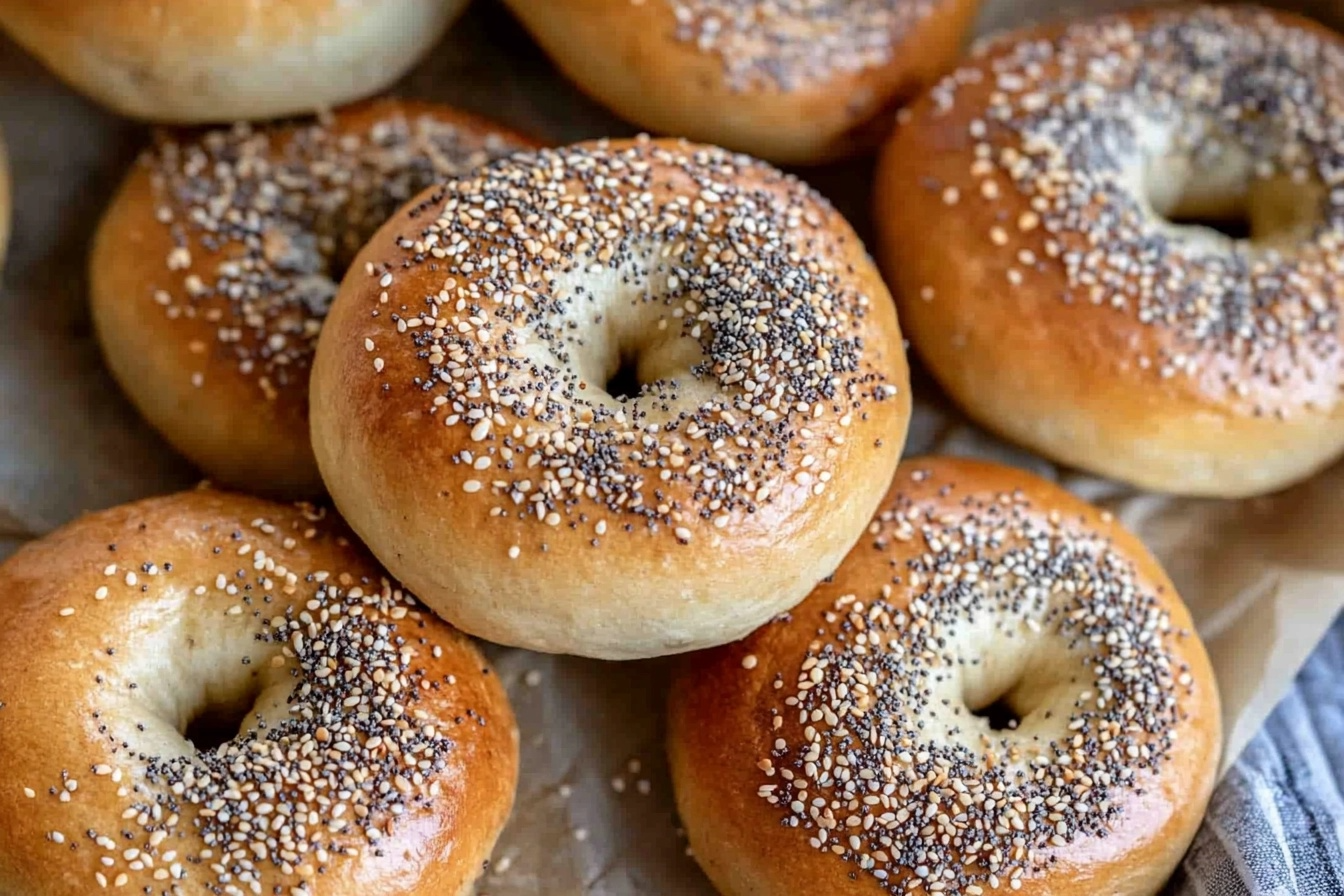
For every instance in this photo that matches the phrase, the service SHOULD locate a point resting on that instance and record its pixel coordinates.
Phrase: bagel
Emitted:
(187, 62)
(1048, 218)
(215, 263)
(363, 746)
(999, 689)
(793, 81)
(619, 399)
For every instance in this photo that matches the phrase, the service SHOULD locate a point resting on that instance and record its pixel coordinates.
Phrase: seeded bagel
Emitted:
(998, 690)
(617, 399)
(212, 693)
(1117, 242)
(214, 267)
(792, 81)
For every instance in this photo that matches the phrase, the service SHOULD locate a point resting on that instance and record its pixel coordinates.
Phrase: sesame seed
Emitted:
(356, 749)
(870, 745)
(787, 44)
(750, 274)
(1067, 124)
(258, 274)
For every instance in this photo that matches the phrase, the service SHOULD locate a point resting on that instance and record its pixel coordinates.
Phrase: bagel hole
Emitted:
(1199, 210)
(1203, 196)
(1000, 715)
(1220, 201)
(1236, 226)
(218, 722)
(625, 384)
(999, 698)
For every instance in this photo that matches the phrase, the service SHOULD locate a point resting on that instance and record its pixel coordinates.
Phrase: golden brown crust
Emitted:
(208, 314)
(461, 419)
(1229, 386)
(724, 738)
(806, 100)
(184, 62)
(122, 626)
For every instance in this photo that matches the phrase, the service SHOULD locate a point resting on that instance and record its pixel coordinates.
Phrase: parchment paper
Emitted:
(594, 814)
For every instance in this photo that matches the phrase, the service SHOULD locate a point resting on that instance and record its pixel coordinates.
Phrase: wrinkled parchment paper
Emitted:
(594, 814)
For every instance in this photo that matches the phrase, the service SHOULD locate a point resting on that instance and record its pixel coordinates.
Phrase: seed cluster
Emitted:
(264, 222)
(887, 772)
(298, 795)
(1066, 123)
(788, 44)
(720, 253)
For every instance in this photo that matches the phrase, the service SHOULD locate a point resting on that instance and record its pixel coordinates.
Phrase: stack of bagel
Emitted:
(635, 397)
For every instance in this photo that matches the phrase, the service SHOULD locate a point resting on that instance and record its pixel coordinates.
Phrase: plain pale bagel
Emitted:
(188, 61)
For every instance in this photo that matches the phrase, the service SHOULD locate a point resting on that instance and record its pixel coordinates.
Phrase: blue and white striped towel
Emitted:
(1275, 826)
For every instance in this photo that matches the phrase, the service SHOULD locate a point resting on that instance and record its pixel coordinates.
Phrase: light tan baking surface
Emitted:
(1263, 577)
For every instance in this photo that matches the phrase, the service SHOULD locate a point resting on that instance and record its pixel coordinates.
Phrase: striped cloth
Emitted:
(1275, 826)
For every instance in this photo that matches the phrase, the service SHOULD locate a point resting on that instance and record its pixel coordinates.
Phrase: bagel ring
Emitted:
(363, 746)
(215, 264)
(792, 81)
(1049, 215)
(187, 62)
(999, 689)
(618, 399)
